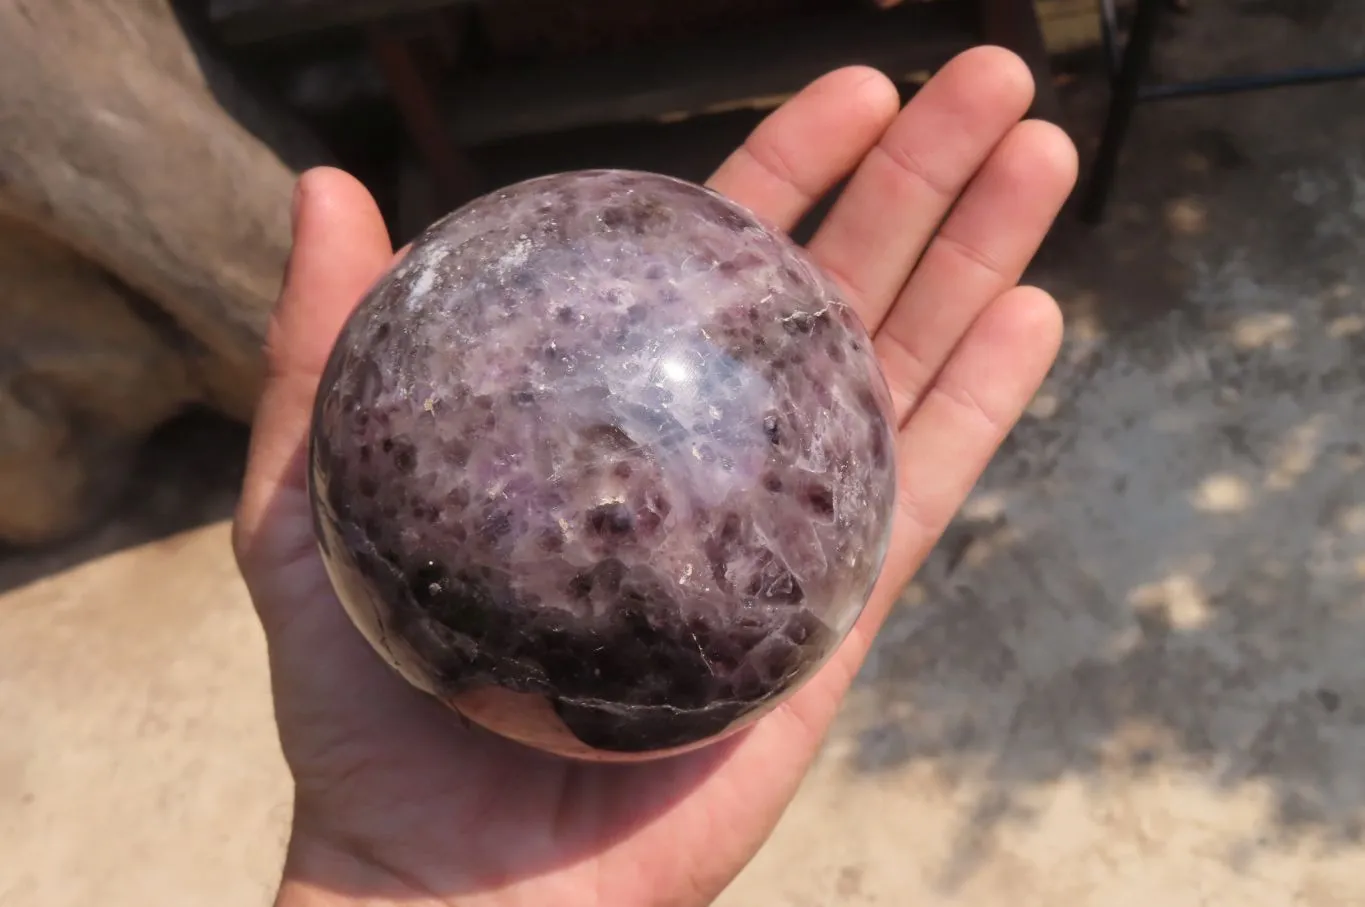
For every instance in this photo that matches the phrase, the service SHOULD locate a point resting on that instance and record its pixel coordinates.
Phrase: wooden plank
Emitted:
(250, 21)
(659, 82)
(1068, 25)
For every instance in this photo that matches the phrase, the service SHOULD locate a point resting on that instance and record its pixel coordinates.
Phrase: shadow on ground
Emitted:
(187, 475)
(1164, 571)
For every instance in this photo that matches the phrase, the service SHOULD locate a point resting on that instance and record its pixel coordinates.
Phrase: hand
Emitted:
(396, 801)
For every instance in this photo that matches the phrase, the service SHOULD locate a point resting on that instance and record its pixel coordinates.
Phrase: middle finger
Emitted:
(900, 193)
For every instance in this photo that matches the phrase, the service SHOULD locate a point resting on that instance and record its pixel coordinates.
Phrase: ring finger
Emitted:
(898, 196)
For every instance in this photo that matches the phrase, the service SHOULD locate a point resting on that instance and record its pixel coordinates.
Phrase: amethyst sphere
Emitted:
(605, 464)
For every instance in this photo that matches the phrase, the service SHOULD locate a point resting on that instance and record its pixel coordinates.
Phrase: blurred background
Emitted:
(1132, 672)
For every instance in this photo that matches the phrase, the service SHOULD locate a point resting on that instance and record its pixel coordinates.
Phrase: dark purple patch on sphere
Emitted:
(605, 464)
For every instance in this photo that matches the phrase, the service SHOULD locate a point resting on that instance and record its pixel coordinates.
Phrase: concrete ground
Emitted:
(1132, 674)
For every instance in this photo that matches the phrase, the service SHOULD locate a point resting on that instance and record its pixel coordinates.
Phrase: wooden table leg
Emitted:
(452, 171)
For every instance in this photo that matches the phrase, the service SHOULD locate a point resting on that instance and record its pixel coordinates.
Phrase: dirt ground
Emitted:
(1133, 672)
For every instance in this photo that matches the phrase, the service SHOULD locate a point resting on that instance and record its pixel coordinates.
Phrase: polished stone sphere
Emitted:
(605, 464)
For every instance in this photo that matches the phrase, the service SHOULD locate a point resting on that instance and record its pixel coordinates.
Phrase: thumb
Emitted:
(341, 247)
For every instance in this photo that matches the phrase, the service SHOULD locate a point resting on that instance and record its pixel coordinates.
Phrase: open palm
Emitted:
(396, 800)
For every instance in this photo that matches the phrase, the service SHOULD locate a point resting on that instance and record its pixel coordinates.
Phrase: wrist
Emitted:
(318, 873)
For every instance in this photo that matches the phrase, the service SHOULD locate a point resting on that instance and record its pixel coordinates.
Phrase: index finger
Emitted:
(804, 148)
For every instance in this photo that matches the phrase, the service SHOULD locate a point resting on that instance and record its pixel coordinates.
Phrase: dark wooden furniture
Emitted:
(446, 107)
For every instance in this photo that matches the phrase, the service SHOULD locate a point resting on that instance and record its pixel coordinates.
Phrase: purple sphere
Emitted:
(605, 464)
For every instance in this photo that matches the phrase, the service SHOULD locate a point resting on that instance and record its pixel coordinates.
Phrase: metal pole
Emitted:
(1126, 87)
